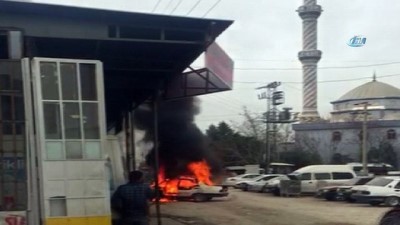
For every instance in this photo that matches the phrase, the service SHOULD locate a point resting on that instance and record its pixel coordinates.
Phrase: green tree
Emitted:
(383, 154)
(233, 147)
(301, 157)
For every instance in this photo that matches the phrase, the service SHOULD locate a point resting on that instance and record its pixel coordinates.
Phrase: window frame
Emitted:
(36, 67)
(391, 134)
(336, 136)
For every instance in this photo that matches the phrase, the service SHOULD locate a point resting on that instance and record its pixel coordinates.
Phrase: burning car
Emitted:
(195, 185)
(186, 187)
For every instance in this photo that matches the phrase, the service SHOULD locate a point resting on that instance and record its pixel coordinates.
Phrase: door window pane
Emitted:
(69, 81)
(88, 81)
(5, 106)
(19, 108)
(52, 120)
(305, 176)
(5, 82)
(7, 128)
(322, 176)
(49, 80)
(72, 121)
(73, 149)
(93, 150)
(342, 176)
(54, 151)
(58, 206)
(91, 120)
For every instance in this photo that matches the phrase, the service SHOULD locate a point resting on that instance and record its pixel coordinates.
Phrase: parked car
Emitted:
(231, 181)
(341, 191)
(391, 217)
(244, 185)
(316, 176)
(373, 168)
(190, 188)
(379, 190)
(260, 186)
(274, 185)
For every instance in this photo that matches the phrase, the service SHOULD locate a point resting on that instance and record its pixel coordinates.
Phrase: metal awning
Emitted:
(138, 50)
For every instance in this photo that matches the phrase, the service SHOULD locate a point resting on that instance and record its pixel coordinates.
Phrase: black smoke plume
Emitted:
(180, 140)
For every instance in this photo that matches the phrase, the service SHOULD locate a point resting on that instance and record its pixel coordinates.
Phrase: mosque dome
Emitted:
(371, 90)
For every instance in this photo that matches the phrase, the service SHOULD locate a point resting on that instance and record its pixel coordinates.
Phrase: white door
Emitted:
(308, 184)
(70, 124)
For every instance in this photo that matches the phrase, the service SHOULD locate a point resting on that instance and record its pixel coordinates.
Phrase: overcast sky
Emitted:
(267, 35)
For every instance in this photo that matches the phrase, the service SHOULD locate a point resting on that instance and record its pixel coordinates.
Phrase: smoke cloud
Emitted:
(180, 140)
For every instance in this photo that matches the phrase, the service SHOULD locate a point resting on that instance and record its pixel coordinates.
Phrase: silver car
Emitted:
(246, 185)
(259, 186)
(231, 181)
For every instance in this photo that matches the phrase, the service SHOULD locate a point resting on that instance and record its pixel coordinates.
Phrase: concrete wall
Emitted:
(350, 143)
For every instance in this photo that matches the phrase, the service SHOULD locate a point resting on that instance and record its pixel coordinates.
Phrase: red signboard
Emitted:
(219, 63)
(216, 77)
(13, 218)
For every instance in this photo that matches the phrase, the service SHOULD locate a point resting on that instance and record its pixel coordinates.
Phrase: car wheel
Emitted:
(276, 192)
(199, 198)
(350, 200)
(391, 218)
(245, 187)
(374, 203)
(263, 190)
(392, 201)
(209, 198)
(330, 197)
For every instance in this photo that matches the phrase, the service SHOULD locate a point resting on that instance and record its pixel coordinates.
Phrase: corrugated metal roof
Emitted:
(373, 89)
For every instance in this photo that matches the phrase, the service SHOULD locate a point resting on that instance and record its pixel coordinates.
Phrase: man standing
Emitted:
(131, 200)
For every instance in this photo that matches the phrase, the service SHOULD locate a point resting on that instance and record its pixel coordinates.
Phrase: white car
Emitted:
(274, 185)
(244, 185)
(190, 188)
(379, 190)
(260, 186)
(316, 176)
(231, 181)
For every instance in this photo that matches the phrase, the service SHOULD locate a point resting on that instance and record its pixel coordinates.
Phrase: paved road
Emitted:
(243, 208)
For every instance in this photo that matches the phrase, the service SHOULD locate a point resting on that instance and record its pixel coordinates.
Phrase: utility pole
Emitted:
(364, 146)
(364, 137)
(268, 96)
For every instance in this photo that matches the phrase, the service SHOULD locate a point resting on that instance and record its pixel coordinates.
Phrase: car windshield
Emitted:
(258, 178)
(381, 182)
(362, 181)
(356, 181)
(278, 178)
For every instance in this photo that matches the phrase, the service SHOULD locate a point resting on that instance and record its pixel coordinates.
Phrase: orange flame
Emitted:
(201, 171)
(197, 172)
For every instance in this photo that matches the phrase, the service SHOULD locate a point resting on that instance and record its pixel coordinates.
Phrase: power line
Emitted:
(212, 7)
(225, 102)
(320, 68)
(156, 6)
(177, 5)
(194, 6)
(325, 81)
(166, 7)
(296, 60)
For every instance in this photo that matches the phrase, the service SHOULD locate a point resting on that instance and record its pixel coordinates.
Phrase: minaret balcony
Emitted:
(309, 11)
(310, 55)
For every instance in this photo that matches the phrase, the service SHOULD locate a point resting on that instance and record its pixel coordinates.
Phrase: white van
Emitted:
(317, 176)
